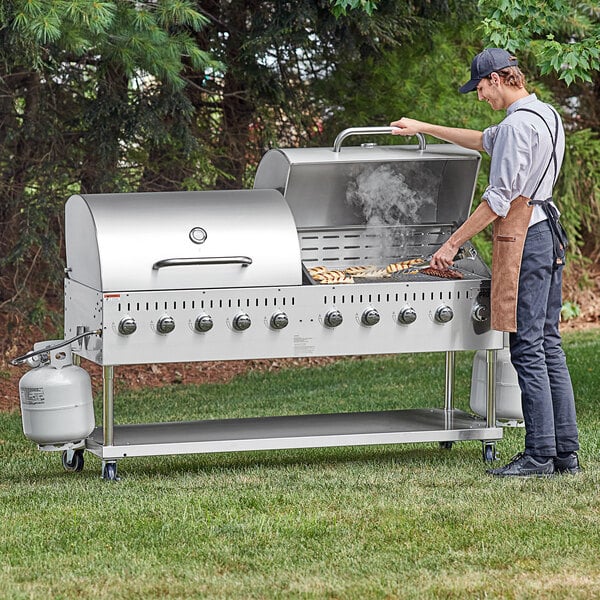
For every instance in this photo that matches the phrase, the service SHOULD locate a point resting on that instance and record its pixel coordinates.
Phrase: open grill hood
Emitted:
(374, 185)
(181, 240)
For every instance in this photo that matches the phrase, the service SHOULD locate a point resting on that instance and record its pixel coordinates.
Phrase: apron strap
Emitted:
(559, 235)
(554, 139)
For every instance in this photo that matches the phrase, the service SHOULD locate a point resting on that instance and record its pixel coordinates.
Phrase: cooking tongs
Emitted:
(463, 252)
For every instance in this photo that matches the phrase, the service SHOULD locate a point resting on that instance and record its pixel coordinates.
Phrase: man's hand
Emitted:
(444, 257)
(405, 126)
(468, 138)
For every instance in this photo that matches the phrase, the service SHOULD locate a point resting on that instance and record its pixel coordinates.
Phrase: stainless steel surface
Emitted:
(337, 144)
(108, 392)
(226, 276)
(203, 323)
(322, 321)
(444, 314)
(381, 185)
(244, 261)
(297, 431)
(450, 372)
(134, 242)
(360, 244)
(491, 388)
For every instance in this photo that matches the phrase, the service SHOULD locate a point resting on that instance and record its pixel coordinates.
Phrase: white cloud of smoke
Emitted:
(392, 195)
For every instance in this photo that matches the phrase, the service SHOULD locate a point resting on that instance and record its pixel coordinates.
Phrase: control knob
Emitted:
(444, 314)
(333, 318)
(203, 323)
(165, 324)
(407, 315)
(370, 317)
(480, 313)
(241, 322)
(127, 326)
(279, 320)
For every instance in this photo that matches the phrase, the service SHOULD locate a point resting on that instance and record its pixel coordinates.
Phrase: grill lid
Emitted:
(373, 185)
(181, 240)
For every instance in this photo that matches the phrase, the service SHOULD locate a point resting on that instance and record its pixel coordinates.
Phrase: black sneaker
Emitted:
(569, 464)
(523, 465)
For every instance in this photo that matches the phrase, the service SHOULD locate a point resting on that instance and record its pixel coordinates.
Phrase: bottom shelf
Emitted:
(297, 431)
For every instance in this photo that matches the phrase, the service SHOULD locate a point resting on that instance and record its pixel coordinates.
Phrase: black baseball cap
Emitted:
(485, 63)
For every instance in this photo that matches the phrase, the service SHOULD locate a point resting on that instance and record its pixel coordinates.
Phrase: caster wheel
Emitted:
(446, 445)
(109, 471)
(489, 453)
(72, 460)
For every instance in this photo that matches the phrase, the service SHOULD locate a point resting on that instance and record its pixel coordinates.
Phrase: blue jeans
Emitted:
(537, 354)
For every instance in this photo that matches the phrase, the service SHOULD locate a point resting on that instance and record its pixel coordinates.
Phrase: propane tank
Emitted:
(508, 392)
(56, 398)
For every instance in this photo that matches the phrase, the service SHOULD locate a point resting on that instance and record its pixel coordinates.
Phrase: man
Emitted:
(527, 150)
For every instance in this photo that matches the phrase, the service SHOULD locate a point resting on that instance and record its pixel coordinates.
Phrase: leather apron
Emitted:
(508, 240)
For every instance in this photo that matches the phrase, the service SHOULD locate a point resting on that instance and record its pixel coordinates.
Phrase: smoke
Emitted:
(389, 198)
(386, 196)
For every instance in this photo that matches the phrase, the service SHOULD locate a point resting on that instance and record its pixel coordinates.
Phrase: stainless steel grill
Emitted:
(172, 277)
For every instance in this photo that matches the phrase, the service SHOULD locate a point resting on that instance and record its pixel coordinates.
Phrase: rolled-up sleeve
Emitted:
(511, 160)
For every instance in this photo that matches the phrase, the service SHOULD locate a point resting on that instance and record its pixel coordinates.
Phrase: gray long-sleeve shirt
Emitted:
(521, 148)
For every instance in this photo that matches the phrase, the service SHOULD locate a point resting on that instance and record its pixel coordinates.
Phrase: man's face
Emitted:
(489, 90)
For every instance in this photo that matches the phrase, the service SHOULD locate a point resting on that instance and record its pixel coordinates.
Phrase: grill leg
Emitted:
(489, 448)
(449, 383)
(109, 467)
(491, 388)
(108, 404)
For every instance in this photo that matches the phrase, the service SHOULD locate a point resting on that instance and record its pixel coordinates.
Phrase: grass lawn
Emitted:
(406, 521)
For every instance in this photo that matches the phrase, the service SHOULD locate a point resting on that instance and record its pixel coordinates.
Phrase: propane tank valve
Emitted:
(41, 355)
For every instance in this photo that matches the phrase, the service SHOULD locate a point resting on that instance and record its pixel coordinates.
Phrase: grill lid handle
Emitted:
(337, 144)
(244, 261)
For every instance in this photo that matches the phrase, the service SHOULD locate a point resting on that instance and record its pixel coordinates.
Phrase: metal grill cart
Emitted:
(205, 276)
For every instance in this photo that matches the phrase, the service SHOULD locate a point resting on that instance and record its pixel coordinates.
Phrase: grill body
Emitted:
(173, 277)
(134, 258)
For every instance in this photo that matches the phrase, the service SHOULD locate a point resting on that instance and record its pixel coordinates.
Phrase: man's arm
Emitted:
(481, 217)
(467, 138)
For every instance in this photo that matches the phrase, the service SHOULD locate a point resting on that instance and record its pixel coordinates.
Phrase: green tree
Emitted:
(562, 35)
(82, 84)
(278, 58)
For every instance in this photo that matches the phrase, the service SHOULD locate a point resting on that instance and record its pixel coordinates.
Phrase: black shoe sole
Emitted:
(522, 476)
(569, 471)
